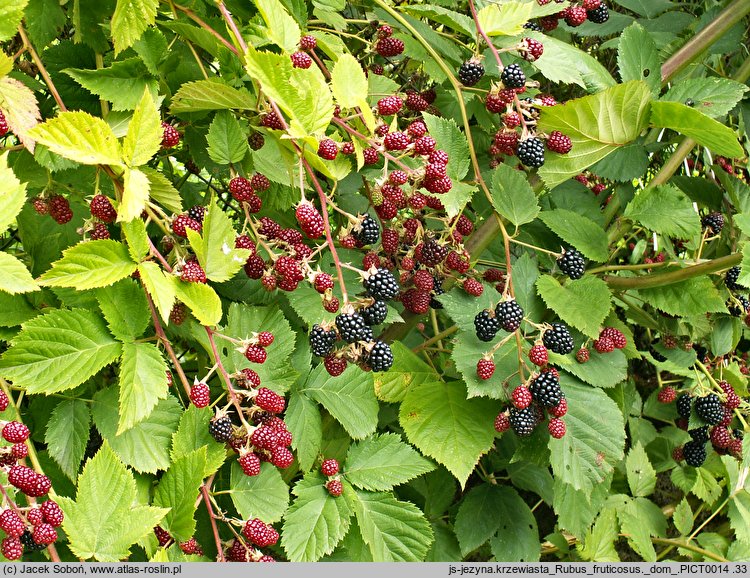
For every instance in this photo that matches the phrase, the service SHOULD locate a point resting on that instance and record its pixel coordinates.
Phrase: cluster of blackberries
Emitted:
(530, 404)
(574, 15)
(738, 304)
(29, 529)
(56, 206)
(507, 315)
(190, 547)
(609, 340)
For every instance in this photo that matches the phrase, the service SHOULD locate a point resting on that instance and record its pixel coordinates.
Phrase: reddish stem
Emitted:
(359, 135)
(205, 488)
(225, 377)
(232, 25)
(195, 18)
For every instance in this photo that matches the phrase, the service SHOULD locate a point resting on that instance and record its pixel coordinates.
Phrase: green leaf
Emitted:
(692, 123)
(452, 140)
(711, 95)
(694, 296)
(104, 521)
(640, 519)
(638, 58)
(517, 538)
(739, 515)
(159, 287)
(594, 441)
(282, 28)
(395, 531)
(598, 544)
(265, 496)
(90, 265)
(214, 247)
(647, 8)
(348, 82)
(565, 63)
(12, 195)
(143, 382)
(576, 509)
(302, 416)
(134, 195)
(202, 300)
(468, 349)
(482, 512)
(316, 522)
(506, 19)
(145, 446)
(665, 210)
(512, 196)
(178, 490)
(125, 308)
(130, 20)
(80, 137)
(212, 94)
(381, 462)
(11, 14)
(455, 20)
(162, 191)
(641, 474)
(67, 435)
(71, 345)
(583, 303)
(439, 420)
(683, 517)
(581, 232)
(349, 398)
(601, 370)
(227, 142)
(192, 434)
(408, 371)
(14, 276)
(122, 84)
(20, 108)
(596, 125)
(144, 133)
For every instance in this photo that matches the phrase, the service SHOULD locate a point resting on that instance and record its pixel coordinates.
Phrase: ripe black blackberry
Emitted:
(437, 289)
(694, 453)
(738, 310)
(433, 253)
(486, 325)
(709, 409)
(546, 389)
(352, 327)
(368, 231)
(513, 76)
(374, 314)
(523, 421)
(382, 285)
(600, 15)
(699, 434)
(28, 543)
(380, 357)
(321, 340)
(572, 264)
(730, 279)
(197, 212)
(531, 152)
(470, 72)
(558, 339)
(684, 405)
(533, 25)
(220, 428)
(509, 314)
(714, 222)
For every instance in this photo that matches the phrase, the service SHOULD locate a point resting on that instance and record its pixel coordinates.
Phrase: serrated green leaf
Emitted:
(178, 491)
(14, 276)
(683, 517)
(71, 345)
(563, 62)
(67, 435)
(192, 434)
(282, 28)
(348, 82)
(123, 83)
(512, 196)
(439, 420)
(506, 19)
(581, 232)
(641, 474)
(596, 125)
(125, 308)
(303, 419)
(692, 123)
(595, 440)
(145, 446)
(12, 196)
(583, 303)
(706, 487)
(316, 521)
(576, 509)
(380, 462)
(665, 210)
(468, 349)
(599, 543)
(19, 107)
(212, 94)
(638, 58)
(455, 20)
(481, 513)
(265, 496)
(16, 310)
(214, 247)
(129, 21)
(408, 371)
(713, 96)
(647, 8)
(452, 140)
(152, 48)
(694, 296)
(200, 298)
(349, 398)
(227, 142)
(739, 515)
(640, 519)
(517, 538)
(136, 238)
(143, 139)
(601, 370)
(104, 521)
(11, 14)
(143, 382)
(90, 265)
(159, 287)
(162, 191)
(80, 137)
(134, 195)
(395, 531)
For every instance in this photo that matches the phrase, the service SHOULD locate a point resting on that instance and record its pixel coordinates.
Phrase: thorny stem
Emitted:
(205, 489)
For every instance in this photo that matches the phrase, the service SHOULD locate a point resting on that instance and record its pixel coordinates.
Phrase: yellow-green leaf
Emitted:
(144, 133)
(134, 195)
(20, 108)
(11, 13)
(282, 28)
(506, 19)
(12, 194)
(348, 82)
(80, 137)
(130, 19)
(159, 287)
(201, 299)
(90, 265)
(14, 276)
